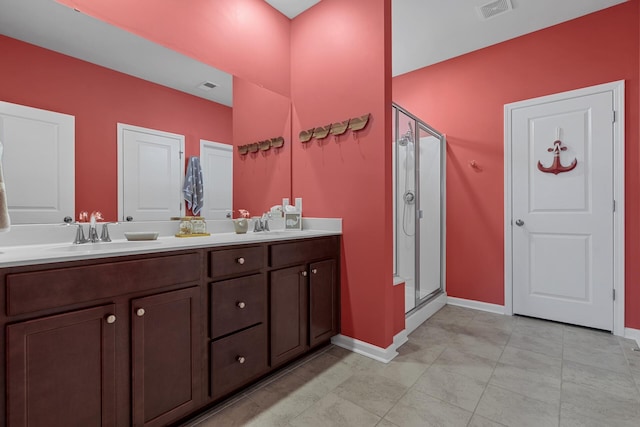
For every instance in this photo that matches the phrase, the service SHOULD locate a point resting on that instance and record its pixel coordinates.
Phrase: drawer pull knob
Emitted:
(111, 318)
(240, 359)
(314, 271)
(240, 260)
(140, 312)
(304, 273)
(241, 304)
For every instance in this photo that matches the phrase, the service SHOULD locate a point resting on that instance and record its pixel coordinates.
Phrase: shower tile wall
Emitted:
(429, 234)
(405, 223)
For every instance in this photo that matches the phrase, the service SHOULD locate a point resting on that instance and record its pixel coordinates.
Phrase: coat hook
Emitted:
(475, 166)
(339, 128)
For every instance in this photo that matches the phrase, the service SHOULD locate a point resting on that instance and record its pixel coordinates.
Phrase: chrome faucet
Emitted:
(79, 235)
(104, 235)
(93, 233)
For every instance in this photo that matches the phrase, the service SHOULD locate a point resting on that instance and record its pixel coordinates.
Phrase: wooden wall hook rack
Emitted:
(339, 128)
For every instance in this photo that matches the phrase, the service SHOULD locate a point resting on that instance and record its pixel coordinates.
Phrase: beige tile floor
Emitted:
(460, 368)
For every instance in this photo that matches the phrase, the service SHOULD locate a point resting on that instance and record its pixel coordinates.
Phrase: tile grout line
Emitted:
(489, 380)
(448, 342)
(631, 370)
(561, 378)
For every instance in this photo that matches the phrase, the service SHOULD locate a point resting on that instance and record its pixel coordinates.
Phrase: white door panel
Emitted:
(563, 223)
(38, 163)
(217, 173)
(151, 174)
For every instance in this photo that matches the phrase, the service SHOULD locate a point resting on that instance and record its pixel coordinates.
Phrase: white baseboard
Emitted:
(387, 354)
(421, 315)
(477, 305)
(380, 354)
(401, 338)
(630, 333)
(364, 348)
(633, 334)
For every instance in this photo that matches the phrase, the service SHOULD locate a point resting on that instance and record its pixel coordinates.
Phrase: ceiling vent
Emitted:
(207, 85)
(493, 9)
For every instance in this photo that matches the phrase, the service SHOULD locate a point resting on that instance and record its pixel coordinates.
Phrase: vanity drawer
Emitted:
(38, 290)
(235, 262)
(303, 251)
(237, 304)
(237, 359)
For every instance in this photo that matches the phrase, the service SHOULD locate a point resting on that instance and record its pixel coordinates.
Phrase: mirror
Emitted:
(100, 98)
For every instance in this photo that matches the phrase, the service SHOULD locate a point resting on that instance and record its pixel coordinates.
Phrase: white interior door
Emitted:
(151, 174)
(38, 163)
(217, 173)
(563, 220)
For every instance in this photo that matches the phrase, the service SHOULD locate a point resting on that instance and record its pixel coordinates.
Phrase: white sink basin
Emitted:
(104, 246)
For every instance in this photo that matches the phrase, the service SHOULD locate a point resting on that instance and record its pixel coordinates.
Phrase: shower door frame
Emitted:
(418, 126)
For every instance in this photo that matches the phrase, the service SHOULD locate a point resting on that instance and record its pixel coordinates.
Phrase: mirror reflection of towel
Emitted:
(193, 190)
(5, 221)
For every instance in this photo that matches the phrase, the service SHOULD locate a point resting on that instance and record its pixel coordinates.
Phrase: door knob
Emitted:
(140, 312)
(304, 273)
(111, 318)
(129, 218)
(519, 222)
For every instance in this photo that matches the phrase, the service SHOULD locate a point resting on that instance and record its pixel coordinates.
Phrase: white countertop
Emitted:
(62, 251)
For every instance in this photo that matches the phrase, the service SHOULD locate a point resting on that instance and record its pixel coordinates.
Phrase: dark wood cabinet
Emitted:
(238, 328)
(146, 340)
(237, 359)
(61, 370)
(237, 304)
(304, 303)
(323, 301)
(166, 361)
(288, 296)
(110, 342)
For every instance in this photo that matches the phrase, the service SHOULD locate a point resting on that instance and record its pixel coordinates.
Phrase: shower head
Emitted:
(407, 137)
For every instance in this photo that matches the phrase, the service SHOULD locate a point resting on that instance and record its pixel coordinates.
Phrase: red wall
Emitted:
(262, 179)
(246, 38)
(335, 62)
(340, 68)
(464, 97)
(99, 98)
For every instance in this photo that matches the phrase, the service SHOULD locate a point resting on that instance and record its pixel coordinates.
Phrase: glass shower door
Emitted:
(418, 172)
(429, 226)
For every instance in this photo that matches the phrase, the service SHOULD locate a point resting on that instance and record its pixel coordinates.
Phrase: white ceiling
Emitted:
(429, 31)
(292, 8)
(424, 32)
(56, 27)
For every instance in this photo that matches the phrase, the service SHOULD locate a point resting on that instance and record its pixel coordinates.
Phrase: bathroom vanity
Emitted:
(147, 339)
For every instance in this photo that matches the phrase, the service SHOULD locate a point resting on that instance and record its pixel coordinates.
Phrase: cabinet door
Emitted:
(61, 370)
(323, 304)
(289, 315)
(166, 345)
